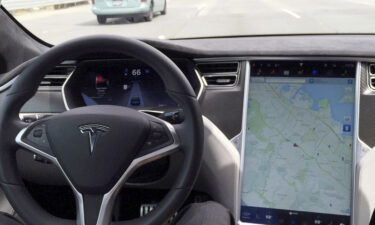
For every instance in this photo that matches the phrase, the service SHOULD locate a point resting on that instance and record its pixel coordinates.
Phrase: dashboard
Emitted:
(302, 123)
(294, 112)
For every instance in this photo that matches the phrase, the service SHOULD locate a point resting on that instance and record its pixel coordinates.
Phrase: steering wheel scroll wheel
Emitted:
(98, 147)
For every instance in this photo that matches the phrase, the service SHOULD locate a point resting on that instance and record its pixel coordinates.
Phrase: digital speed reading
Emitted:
(136, 72)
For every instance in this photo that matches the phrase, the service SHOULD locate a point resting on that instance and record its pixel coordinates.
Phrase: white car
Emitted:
(104, 9)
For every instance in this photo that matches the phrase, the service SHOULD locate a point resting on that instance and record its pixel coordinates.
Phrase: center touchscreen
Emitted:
(297, 166)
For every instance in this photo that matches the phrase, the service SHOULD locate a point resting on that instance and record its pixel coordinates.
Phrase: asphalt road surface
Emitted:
(208, 18)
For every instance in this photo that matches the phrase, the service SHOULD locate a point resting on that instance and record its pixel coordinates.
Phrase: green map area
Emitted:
(299, 138)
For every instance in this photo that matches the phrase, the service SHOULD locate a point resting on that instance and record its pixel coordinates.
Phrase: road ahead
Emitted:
(198, 18)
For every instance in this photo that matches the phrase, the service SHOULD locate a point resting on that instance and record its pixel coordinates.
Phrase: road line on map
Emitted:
(295, 15)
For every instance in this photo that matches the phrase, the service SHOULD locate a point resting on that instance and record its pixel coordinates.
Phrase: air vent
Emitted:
(372, 82)
(372, 69)
(216, 74)
(56, 78)
(220, 80)
(219, 67)
(53, 81)
(62, 70)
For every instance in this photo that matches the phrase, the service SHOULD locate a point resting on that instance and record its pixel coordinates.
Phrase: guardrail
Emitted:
(29, 4)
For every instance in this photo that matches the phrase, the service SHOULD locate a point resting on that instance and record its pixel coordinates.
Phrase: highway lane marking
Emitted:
(295, 15)
(201, 10)
(362, 2)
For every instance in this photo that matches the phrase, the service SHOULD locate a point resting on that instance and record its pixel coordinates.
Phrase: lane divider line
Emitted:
(295, 15)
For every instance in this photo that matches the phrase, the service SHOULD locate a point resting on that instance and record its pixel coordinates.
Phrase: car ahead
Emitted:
(146, 9)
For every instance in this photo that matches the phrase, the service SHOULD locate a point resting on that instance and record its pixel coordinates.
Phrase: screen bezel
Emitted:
(355, 140)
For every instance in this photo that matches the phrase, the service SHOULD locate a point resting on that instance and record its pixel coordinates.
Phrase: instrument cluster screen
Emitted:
(122, 82)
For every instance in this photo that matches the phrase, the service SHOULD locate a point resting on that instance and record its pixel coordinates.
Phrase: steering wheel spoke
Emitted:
(34, 138)
(161, 141)
(165, 141)
(89, 206)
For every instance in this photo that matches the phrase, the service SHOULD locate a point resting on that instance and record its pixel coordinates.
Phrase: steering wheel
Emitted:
(98, 147)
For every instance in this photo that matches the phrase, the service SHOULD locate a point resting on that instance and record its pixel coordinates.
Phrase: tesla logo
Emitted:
(94, 131)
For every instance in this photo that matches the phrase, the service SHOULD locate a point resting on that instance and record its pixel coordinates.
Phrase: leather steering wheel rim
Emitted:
(190, 132)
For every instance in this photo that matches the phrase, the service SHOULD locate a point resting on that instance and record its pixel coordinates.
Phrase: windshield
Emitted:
(56, 21)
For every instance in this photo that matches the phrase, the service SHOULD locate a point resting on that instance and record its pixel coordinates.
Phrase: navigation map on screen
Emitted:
(298, 152)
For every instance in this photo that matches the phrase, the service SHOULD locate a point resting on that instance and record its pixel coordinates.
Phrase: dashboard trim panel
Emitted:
(242, 139)
(201, 83)
(356, 141)
(63, 90)
(286, 58)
